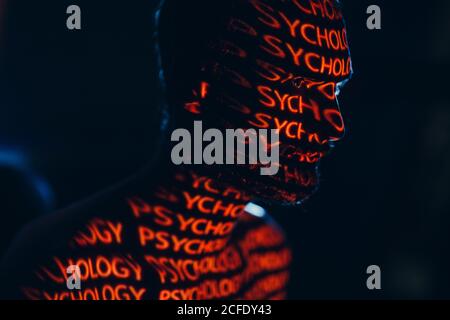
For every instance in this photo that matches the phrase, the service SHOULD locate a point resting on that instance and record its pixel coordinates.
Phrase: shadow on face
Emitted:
(254, 64)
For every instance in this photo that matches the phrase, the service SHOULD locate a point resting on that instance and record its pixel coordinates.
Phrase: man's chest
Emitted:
(110, 263)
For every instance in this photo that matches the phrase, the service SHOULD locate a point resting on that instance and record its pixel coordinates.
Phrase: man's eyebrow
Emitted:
(340, 85)
(328, 80)
(343, 82)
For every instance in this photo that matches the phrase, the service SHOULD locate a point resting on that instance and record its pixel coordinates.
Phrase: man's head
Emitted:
(260, 64)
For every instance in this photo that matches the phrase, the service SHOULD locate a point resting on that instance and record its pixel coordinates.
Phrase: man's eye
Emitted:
(338, 90)
(298, 82)
(340, 86)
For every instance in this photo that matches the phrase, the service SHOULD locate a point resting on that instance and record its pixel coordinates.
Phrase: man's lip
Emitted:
(308, 155)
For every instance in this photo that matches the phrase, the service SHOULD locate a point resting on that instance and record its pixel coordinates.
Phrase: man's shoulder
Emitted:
(49, 234)
(90, 232)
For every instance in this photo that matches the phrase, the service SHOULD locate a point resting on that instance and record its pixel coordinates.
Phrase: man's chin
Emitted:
(283, 196)
(291, 186)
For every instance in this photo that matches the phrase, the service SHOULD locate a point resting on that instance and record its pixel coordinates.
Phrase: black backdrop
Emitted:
(77, 111)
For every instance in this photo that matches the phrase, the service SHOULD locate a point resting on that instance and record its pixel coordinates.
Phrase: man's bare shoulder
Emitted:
(49, 235)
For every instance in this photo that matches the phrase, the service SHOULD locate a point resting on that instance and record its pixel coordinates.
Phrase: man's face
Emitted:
(279, 65)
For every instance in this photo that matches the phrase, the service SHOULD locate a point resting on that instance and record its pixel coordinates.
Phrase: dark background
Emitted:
(77, 113)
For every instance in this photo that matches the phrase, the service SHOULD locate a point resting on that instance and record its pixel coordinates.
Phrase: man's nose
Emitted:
(334, 121)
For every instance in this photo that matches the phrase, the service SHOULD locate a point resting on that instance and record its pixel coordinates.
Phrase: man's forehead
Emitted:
(305, 37)
(325, 10)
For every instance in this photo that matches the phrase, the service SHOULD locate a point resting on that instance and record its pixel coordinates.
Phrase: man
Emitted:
(180, 231)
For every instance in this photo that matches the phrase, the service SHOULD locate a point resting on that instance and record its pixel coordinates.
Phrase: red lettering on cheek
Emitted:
(338, 67)
(327, 65)
(313, 106)
(285, 102)
(334, 117)
(322, 35)
(308, 61)
(278, 125)
(303, 31)
(314, 137)
(289, 132)
(328, 90)
(281, 99)
(290, 104)
(334, 39)
(295, 53)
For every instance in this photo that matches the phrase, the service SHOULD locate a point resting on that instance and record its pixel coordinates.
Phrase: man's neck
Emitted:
(187, 204)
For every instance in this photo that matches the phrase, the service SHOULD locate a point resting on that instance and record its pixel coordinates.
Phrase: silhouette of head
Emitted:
(260, 64)
(254, 64)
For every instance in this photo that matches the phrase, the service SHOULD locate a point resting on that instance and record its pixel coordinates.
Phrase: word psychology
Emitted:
(98, 267)
(106, 292)
(333, 39)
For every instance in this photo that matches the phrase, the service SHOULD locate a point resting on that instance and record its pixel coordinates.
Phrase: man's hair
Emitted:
(183, 30)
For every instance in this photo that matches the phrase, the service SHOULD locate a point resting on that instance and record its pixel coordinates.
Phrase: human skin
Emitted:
(180, 232)
(184, 237)
(265, 65)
